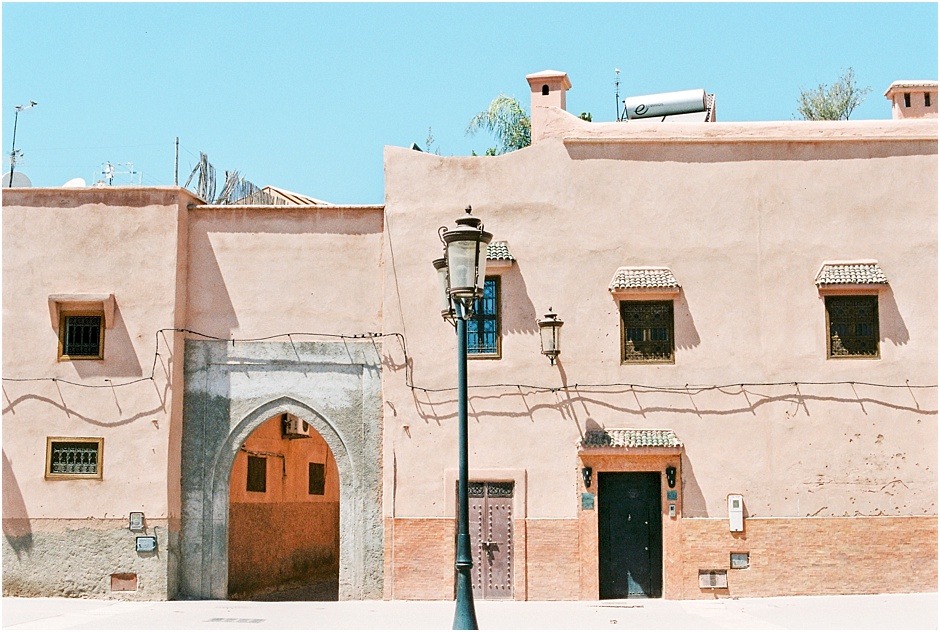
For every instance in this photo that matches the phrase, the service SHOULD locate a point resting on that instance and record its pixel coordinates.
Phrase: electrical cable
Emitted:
(687, 389)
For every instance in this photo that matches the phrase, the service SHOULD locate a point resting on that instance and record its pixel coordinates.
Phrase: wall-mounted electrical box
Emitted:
(672, 510)
(136, 521)
(736, 512)
(146, 543)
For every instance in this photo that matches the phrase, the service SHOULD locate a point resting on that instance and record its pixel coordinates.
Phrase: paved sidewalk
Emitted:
(851, 612)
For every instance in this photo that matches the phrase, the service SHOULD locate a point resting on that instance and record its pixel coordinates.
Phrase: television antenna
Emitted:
(109, 170)
(13, 152)
(617, 92)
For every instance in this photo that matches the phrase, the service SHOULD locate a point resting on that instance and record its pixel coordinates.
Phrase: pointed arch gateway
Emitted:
(340, 401)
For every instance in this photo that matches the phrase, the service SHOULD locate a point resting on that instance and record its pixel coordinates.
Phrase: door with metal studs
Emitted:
(491, 539)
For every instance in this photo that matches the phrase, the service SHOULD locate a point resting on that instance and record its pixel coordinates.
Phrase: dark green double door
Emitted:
(630, 535)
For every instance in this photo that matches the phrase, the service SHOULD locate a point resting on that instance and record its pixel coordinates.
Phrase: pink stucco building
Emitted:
(745, 403)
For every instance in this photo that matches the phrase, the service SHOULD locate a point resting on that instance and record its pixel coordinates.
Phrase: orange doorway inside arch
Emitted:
(283, 542)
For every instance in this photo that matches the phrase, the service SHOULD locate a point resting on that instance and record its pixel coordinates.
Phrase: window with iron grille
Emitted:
(647, 332)
(483, 339)
(316, 483)
(74, 457)
(853, 326)
(81, 336)
(257, 474)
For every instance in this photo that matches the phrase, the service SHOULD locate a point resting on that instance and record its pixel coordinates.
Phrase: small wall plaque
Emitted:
(672, 494)
(587, 501)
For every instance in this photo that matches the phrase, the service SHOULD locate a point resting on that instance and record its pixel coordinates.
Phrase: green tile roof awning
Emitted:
(630, 438)
(851, 273)
(499, 251)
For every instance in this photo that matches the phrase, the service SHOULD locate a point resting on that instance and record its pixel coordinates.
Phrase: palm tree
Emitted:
(506, 119)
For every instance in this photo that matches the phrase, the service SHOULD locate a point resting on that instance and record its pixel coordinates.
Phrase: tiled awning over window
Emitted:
(630, 438)
(499, 251)
(627, 278)
(851, 273)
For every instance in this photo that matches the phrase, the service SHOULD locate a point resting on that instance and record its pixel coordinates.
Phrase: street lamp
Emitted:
(16, 116)
(461, 275)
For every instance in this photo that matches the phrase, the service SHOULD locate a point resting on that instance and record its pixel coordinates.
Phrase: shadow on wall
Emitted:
(120, 355)
(522, 317)
(210, 306)
(693, 500)
(891, 323)
(16, 528)
(686, 334)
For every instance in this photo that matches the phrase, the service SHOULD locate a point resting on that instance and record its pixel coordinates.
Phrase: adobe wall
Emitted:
(744, 215)
(82, 242)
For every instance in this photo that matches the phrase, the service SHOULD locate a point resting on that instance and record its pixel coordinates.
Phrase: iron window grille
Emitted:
(81, 336)
(316, 483)
(852, 324)
(257, 474)
(648, 332)
(483, 330)
(74, 457)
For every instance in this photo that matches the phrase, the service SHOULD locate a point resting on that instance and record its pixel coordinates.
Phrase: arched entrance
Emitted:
(283, 541)
(229, 393)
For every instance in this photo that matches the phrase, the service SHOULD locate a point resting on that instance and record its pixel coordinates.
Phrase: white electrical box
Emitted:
(736, 512)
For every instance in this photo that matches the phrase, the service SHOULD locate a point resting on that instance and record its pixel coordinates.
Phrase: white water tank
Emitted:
(665, 104)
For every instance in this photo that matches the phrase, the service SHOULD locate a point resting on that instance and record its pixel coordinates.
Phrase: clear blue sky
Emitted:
(305, 96)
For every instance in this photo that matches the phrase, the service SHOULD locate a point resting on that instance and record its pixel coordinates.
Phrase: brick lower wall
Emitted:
(788, 556)
(813, 556)
(281, 544)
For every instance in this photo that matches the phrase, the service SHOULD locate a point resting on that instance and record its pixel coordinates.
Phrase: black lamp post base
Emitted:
(465, 616)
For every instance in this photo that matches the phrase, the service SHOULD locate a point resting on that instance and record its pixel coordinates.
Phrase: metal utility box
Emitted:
(736, 512)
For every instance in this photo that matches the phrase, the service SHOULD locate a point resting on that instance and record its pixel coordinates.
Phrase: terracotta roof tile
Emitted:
(499, 251)
(630, 438)
(628, 278)
(851, 273)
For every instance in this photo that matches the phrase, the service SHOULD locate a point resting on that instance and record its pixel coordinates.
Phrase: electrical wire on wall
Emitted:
(686, 389)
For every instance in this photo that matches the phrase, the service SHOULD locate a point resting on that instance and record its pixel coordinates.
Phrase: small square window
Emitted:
(483, 330)
(648, 331)
(257, 474)
(852, 323)
(317, 479)
(74, 457)
(81, 336)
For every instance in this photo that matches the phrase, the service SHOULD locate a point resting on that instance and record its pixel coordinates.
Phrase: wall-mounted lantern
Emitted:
(671, 476)
(586, 473)
(550, 332)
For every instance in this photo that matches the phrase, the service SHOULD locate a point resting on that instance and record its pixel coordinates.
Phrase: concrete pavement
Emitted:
(849, 612)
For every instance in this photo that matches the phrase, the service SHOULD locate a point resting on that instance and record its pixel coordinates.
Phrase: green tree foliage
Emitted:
(832, 103)
(505, 119)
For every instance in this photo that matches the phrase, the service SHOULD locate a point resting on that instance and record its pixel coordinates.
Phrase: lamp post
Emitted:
(461, 275)
(16, 116)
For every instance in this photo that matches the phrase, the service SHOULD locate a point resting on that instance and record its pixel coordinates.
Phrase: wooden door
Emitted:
(630, 535)
(491, 539)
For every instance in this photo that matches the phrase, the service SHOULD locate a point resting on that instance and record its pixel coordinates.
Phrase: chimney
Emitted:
(913, 99)
(548, 90)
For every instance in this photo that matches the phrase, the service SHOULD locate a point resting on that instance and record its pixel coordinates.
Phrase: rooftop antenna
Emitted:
(109, 170)
(617, 92)
(16, 116)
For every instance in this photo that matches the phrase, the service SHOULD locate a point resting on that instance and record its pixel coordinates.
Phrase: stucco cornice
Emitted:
(571, 130)
(779, 132)
(128, 196)
(282, 207)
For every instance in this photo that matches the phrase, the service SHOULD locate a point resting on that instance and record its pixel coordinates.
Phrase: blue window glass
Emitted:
(483, 328)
